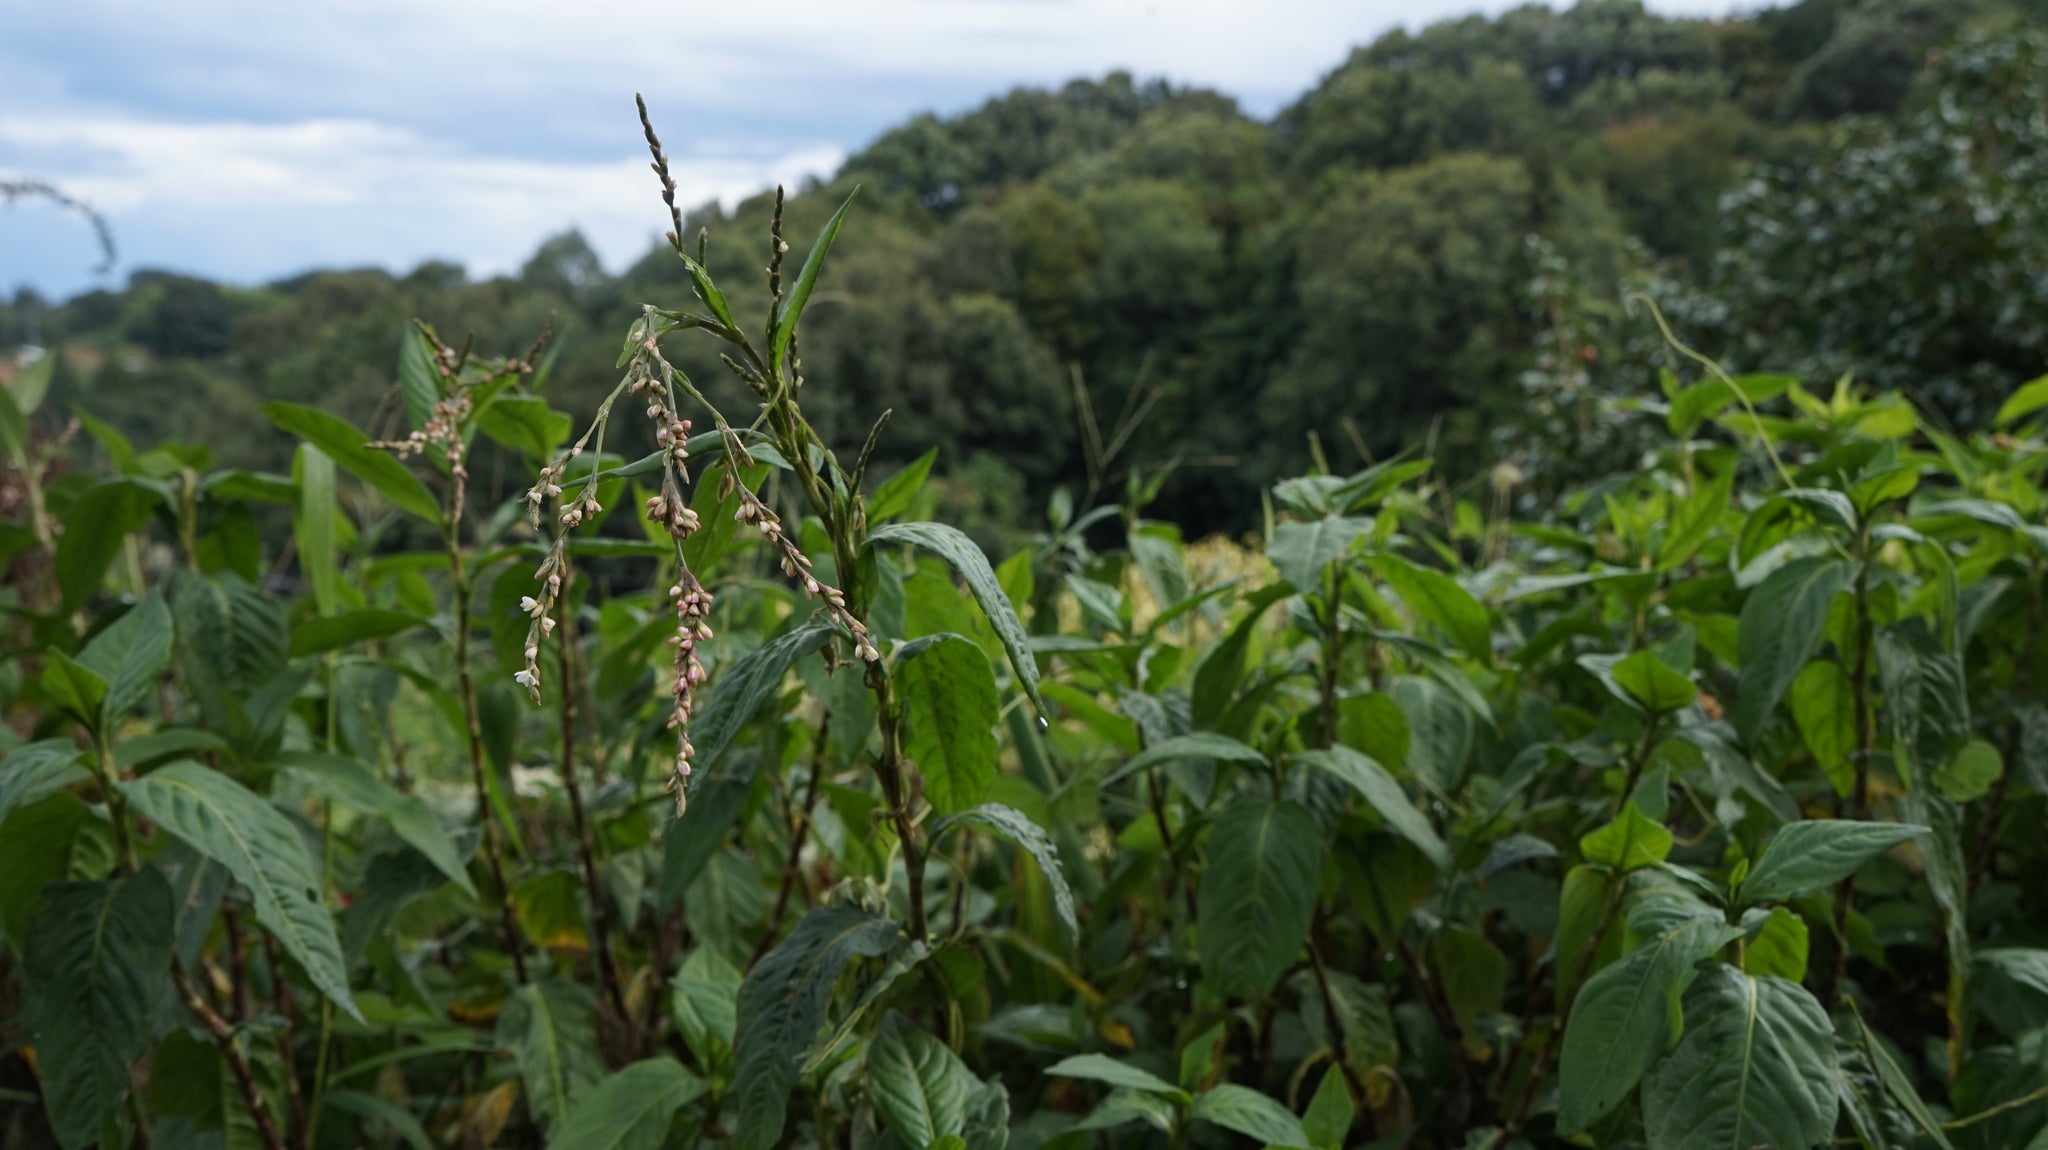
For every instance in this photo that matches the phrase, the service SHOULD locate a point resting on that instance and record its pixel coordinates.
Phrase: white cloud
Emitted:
(268, 199)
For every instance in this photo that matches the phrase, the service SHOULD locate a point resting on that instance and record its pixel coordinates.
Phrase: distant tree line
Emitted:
(1432, 245)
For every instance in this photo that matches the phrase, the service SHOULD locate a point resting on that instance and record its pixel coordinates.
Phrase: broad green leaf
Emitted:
(738, 691)
(1439, 728)
(1330, 1112)
(1654, 684)
(74, 688)
(703, 1000)
(1222, 669)
(525, 424)
(232, 640)
(988, 1117)
(1777, 943)
(782, 1005)
(1180, 748)
(1384, 795)
(689, 842)
(1630, 842)
(14, 432)
(2027, 968)
(1258, 895)
(1473, 975)
(1621, 1021)
(1756, 1068)
(1438, 598)
(630, 1110)
(354, 786)
(1694, 520)
(1303, 551)
(1926, 699)
(1198, 1057)
(894, 496)
(920, 1088)
(1125, 1106)
(1582, 905)
(419, 377)
(376, 1109)
(1815, 853)
(1899, 1085)
(2025, 400)
(96, 965)
(31, 383)
(1102, 1068)
(549, 906)
(321, 634)
(45, 842)
(94, 527)
(1768, 523)
(1702, 401)
(393, 879)
(792, 308)
(1249, 1113)
(341, 442)
(950, 709)
(1375, 725)
(958, 550)
(1012, 824)
(1824, 707)
(29, 772)
(314, 517)
(1972, 773)
(220, 819)
(1362, 1009)
(551, 1029)
(1781, 622)
(129, 657)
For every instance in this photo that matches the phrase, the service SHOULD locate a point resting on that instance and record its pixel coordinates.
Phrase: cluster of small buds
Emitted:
(671, 431)
(545, 487)
(797, 565)
(540, 609)
(693, 626)
(669, 510)
(442, 432)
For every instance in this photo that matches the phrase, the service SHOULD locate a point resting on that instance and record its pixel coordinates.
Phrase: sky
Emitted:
(246, 140)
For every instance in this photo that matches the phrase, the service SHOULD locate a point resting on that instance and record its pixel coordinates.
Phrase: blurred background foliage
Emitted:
(1434, 244)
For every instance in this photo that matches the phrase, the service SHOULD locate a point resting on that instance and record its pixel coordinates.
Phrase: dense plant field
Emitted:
(714, 796)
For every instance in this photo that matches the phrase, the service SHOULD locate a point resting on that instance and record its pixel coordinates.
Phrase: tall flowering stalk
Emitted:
(444, 433)
(771, 369)
(651, 379)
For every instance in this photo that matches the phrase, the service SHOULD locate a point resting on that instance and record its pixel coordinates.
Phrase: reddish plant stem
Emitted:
(586, 849)
(799, 831)
(224, 1037)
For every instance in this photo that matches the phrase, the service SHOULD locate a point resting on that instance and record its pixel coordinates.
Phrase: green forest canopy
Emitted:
(1433, 242)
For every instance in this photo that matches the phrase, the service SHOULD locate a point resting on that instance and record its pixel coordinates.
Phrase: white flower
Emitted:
(527, 679)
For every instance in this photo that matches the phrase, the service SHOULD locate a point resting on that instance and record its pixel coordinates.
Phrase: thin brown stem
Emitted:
(1338, 1037)
(465, 686)
(238, 972)
(224, 1037)
(586, 852)
(799, 832)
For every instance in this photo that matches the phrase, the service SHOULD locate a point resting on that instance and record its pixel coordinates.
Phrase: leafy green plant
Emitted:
(1699, 808)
